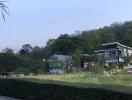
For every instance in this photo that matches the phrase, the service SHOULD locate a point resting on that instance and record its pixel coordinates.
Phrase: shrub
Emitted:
(97, 68)
(121, 65)
(23, 70)
(36, 91)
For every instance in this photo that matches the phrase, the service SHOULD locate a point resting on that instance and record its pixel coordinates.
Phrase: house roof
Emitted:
(116, 43)
(99, 51)
(112, 43)
(57, 57)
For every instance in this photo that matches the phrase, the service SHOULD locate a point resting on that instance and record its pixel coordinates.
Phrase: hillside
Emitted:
(88, 41)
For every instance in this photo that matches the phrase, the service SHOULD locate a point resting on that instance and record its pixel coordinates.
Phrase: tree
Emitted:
(50, 42)
(89, 41)
(8, 51)
(9, 62)
(77, 58)
(128, 38)
(105, 35)
(36, 52)
(63, 45)
(26, 49)
(4, 8)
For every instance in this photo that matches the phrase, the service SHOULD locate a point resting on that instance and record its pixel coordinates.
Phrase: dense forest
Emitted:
(30, 59)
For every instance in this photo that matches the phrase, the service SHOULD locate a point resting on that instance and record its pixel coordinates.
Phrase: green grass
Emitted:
(117, 82)
(124, 80)
(124, 72)
(74, 86)
(35, 89)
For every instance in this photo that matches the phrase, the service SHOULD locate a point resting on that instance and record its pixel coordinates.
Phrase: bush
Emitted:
(36, 91)
(25, 70)
(97, 68)
(111, 66)
(76, 70)
(68, 70)
(121, 65)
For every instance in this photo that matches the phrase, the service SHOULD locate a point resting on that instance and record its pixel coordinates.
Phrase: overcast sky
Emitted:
(36, 21)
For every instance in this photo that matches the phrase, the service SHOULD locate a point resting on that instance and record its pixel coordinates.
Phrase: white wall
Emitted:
(125, 52)
(130, 52)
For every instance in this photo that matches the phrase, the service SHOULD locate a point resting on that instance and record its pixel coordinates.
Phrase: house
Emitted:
(58, 62)
(87, 60)
(113, 52)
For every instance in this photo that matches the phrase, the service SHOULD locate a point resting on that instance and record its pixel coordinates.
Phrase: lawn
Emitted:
(83, 77)
(75, 86)
(117, 82)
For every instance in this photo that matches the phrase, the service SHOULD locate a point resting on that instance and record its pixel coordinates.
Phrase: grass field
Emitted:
(33, 89)
(119, 79)
(75, 86)
(120, 82)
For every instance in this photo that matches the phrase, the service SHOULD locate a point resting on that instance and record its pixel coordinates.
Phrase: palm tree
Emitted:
(4, 9)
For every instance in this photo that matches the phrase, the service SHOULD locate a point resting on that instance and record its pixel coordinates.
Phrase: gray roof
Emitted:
(99, 51)
(116, 43)
(57, 57)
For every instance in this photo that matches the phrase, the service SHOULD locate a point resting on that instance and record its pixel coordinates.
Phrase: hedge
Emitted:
(37, 91)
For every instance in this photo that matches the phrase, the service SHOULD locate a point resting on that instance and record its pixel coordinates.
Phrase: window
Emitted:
(120, 53)
(112, 54)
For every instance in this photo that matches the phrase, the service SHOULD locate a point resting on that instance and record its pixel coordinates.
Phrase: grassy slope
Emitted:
(118, 82)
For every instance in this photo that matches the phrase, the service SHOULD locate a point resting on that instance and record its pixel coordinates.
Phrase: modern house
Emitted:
(113, 52)
(58, 62)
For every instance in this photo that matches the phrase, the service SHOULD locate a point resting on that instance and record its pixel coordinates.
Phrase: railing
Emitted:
(111, 58)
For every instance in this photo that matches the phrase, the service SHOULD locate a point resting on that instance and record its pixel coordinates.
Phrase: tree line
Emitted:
(89, 41)
(30, 59)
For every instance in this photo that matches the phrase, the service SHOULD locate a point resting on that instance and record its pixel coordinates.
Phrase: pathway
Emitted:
(7, 98)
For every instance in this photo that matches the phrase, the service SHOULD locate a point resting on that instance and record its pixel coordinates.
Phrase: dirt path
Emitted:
(7, 98)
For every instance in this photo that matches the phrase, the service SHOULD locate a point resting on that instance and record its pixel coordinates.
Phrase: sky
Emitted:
(36, 21)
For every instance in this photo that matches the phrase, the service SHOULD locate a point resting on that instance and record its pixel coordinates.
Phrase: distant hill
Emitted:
(88, 41)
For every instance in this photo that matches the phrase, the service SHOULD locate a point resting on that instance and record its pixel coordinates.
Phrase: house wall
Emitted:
(127, 51)
(101, 57)
(108, 52)
(130, 52)
(114, 53)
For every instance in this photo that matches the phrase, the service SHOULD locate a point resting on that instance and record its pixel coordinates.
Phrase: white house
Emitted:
(113, 52)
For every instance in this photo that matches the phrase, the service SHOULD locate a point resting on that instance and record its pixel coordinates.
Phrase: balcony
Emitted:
(112, 55)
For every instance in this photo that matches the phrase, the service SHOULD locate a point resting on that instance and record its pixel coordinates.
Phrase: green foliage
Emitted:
(22, 70)
(128, 59)
(105, 35)
(87, 41)
(11, 62)
(63, 45)
(8, 51)
(121, 65)
(8, 62)
(76, 58)
(26, 49)
(113, 66)
(96, 68)
(38, 91)
(128, 38)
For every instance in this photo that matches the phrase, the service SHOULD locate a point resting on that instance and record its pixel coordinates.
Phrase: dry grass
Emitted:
(83, 77)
